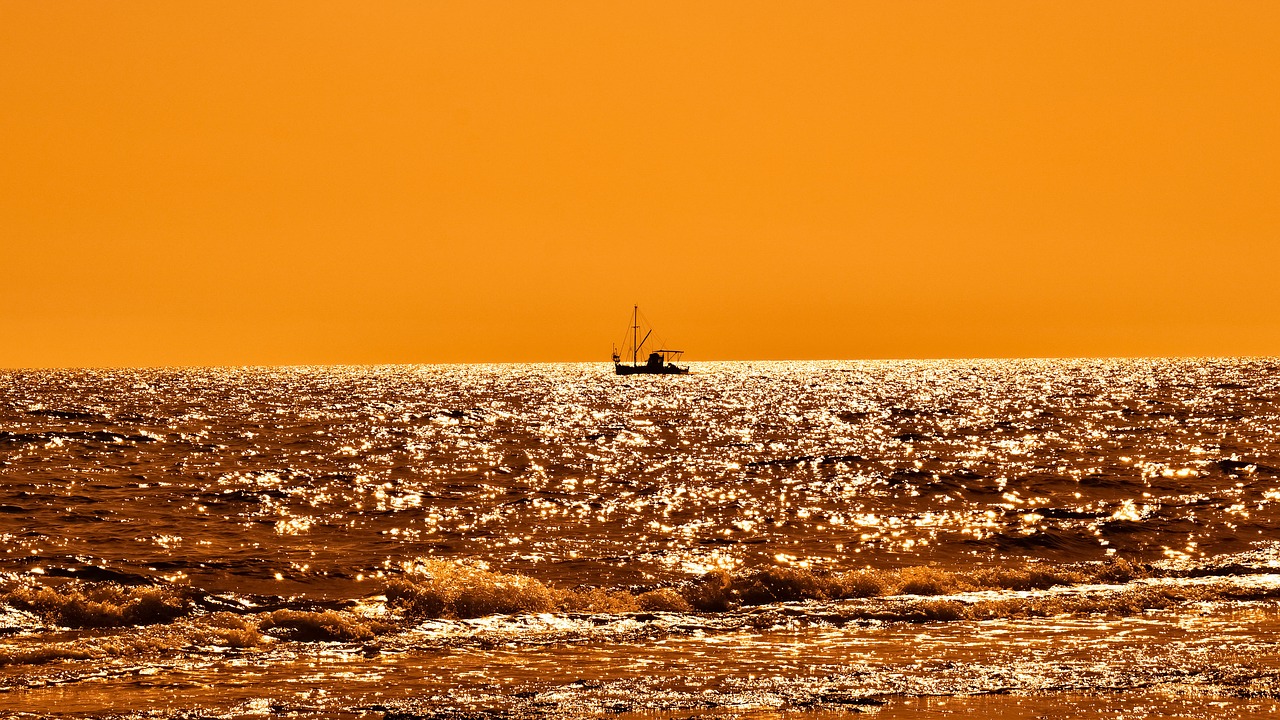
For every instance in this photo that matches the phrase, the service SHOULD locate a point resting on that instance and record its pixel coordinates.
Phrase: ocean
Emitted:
(1005, 538)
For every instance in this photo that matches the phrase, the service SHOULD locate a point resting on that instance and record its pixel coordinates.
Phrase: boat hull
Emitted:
(668, 369)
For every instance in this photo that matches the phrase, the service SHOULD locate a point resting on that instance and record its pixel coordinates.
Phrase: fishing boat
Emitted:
(659, 362)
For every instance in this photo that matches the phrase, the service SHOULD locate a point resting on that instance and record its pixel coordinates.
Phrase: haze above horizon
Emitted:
(240, 183)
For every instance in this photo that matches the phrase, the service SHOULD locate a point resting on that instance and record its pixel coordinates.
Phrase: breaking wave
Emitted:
(444, 589)
(99, 605)
(167, 618)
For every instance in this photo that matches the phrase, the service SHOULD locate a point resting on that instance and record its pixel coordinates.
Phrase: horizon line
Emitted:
(691, 363)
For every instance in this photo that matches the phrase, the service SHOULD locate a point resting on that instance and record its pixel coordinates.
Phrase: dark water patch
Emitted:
(912, 437)
(1066, 513)
(1126, 527)
(471, 415)
(835, 459)
(909, 476)
(95, 573)
(245, 496)
(98, 436)
(783, 462)
(81, 517)
(68, 415)
(1062, 543)
(1244, 467)
(1107, 481)
(805, 460)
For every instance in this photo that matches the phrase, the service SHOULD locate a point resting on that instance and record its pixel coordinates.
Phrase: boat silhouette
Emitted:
(659, 362)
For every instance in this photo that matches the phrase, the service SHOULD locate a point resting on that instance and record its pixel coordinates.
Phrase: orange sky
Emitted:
(308, 182)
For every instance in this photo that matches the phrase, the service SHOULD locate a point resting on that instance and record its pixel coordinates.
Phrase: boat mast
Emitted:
(635, 333)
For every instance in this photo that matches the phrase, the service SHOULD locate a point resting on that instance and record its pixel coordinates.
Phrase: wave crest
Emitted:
(99, 605)
(325, 626)
(444, 589)
(437, 588)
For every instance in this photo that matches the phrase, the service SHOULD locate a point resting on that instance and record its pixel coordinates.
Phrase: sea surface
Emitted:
(1011, 538)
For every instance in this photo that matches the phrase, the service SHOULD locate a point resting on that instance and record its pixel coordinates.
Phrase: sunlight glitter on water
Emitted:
(803, 536)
